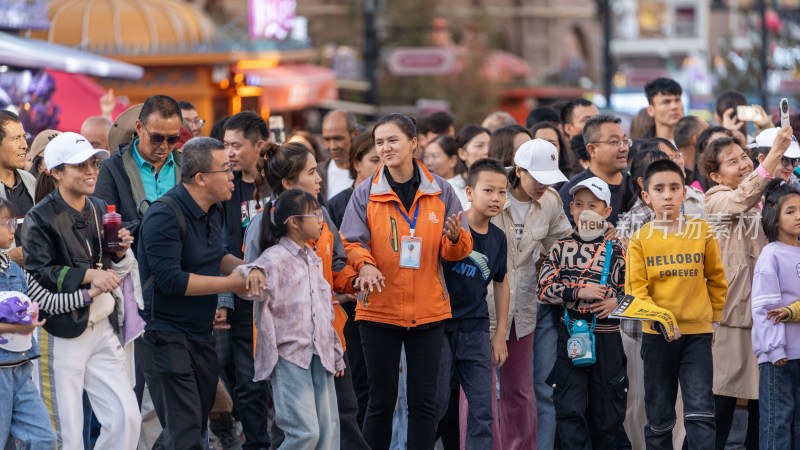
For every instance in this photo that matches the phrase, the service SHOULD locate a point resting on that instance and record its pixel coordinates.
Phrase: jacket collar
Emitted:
(382, 191)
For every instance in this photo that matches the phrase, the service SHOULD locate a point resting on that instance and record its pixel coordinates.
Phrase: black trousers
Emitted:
(725, 407)
(182, 378)
(357, 366)
(250, 397)
(349, 430)
(590, 401)
(382, 354)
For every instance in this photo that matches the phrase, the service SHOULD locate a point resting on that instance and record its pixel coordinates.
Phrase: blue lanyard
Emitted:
(606, 265)
(411, 224)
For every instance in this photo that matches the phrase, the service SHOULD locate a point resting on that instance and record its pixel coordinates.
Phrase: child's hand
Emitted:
(611, 233)
(678, 335)
(593, 292)
(220, 319)
(339, 374)
(255, 281)
(604, 308)
(777, 315)
(780, 363)
(499, 349)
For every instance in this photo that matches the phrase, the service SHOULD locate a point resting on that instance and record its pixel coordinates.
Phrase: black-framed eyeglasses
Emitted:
(158, 138)
(10, 223)
(228, 170)
(618, 143)
(93, 163)
(791, 162)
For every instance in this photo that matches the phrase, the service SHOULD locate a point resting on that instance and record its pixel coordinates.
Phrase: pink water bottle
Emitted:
(112, 222)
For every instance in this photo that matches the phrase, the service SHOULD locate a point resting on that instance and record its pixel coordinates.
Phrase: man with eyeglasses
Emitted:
(607, 146)
(146, 168)
(18, 185)
(192, 120)
(182, 272)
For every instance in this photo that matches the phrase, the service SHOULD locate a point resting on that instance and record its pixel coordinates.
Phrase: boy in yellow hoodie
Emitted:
(674, 262)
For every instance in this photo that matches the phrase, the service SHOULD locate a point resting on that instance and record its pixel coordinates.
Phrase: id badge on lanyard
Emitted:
(410, 246)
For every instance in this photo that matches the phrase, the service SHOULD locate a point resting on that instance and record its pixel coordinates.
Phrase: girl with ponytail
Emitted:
(292, 166)
(296, 346)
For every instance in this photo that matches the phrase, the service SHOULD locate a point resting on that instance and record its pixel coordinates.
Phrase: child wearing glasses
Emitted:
(297, 347)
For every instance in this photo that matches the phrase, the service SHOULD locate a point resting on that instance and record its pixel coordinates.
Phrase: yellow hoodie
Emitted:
(681, 272)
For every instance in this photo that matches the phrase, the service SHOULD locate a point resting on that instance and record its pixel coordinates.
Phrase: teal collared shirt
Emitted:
(156, 183)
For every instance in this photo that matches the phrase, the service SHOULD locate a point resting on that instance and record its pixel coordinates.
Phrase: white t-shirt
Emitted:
(460, 186)
(519, 212)
(338, 179)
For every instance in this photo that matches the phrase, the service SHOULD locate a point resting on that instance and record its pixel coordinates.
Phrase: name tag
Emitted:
(410, 251)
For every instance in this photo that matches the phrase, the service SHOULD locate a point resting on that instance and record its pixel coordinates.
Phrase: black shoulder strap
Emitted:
(181, 227)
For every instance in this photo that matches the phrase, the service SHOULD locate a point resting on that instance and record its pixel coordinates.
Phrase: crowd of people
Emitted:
(392, 284)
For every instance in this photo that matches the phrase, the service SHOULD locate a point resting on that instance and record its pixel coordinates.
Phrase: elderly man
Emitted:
(96, 129)
(339, 127)
(146, 168)
(180, 283)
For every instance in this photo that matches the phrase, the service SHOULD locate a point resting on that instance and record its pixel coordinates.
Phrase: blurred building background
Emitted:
(299, 58)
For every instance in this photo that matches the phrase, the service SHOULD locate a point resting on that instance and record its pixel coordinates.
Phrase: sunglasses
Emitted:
(93, 163)
(157, 138)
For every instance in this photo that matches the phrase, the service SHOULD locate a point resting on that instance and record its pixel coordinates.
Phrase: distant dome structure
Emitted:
(128, 27)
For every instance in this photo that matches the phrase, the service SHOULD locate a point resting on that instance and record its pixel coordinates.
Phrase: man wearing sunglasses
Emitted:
(147, 167)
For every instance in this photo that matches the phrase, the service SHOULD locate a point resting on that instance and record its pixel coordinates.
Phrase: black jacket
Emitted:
(57, 257)
(114, 186)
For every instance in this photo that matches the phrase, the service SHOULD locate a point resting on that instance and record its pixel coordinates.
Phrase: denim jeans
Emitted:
(251, 398)
(305, 405)
(468, 354)
(688, 361)
(545, 337)
(22, 411)
(779, 404)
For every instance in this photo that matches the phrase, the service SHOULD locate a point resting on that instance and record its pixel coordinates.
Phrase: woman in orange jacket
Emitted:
(293, 166)
(399, 224)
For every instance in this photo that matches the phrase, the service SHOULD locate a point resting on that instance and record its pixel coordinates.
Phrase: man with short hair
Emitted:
(95, 129)
(146, 168)
(339, 127)
(664, 106)
(179, 268)
(574, 116)
(607, 146)
(687, 130)
(192, 120)
(433, 125)
(497, 120)
(246, 133)
(18, 185)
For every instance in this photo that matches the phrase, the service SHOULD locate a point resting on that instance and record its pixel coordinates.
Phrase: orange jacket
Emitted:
(334, 258)
(373, 228)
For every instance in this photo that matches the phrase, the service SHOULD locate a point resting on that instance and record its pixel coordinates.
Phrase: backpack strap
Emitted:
(181, 227)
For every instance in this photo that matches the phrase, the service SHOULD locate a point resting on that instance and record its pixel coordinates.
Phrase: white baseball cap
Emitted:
(598, 187)
(540, 159)
(767, 137)
(70, 148)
